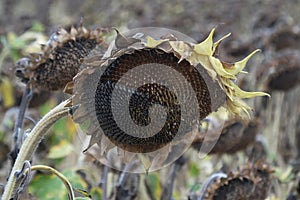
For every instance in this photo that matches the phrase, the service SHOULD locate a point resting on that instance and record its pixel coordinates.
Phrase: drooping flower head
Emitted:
(60, 58)
(143, 101)
(251, 181)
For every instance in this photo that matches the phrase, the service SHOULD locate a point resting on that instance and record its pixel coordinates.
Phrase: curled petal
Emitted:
(218, 67)
(182, 48)
(238, 92)
(239, 66)
(151, 42)
(205, 47)
(216, 44)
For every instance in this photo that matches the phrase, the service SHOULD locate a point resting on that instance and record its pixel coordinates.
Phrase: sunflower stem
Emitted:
(18, 135)
(168, 189)
(104, 182)
(30, 144)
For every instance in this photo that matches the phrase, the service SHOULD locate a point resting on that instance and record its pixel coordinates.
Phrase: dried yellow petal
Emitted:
(217, 65)
(152, 43)
(239, 66)
(216, 44)
(181, 48)
(205, 47)
(238, 92)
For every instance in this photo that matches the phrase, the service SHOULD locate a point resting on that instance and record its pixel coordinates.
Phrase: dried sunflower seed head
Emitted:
(251, 181)
(235, 135)
(60, 58)
(281, 72)
(144, 100)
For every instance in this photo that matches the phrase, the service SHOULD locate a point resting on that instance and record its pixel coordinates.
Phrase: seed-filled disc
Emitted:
(151, 89)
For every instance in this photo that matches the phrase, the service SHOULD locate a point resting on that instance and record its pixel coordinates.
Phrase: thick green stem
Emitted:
(30, 144)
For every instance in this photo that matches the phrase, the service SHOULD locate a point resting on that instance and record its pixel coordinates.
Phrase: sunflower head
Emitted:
(143, 101)
(252, 181)
(281, 72)
(60, 58)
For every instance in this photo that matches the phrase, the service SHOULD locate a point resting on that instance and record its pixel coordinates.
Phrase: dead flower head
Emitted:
(60, 58)
(142, 102)
(251, 181)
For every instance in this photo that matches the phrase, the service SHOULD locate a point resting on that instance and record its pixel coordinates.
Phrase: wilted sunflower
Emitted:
(281, 72)
(252, 181)
(143, 101)
(233, 136)
(60, 58)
